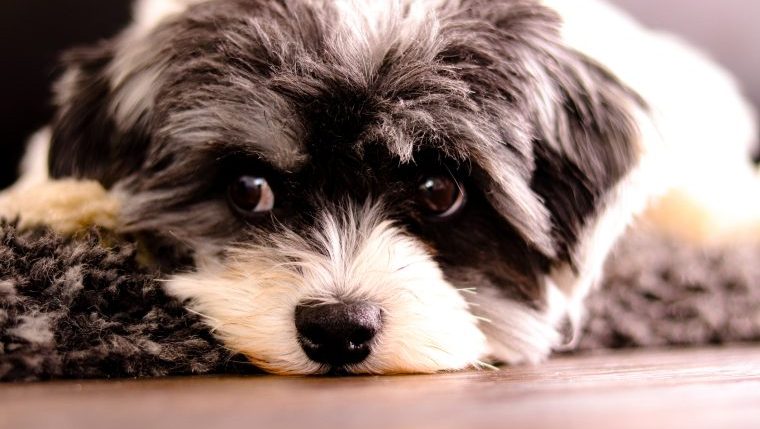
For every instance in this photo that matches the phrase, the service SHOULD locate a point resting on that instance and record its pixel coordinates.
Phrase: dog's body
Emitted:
(380, 187)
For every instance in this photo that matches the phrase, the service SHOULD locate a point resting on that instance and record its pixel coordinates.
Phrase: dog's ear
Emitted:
(568, 131)
(587, 141)
(87, 139)
(106, 96)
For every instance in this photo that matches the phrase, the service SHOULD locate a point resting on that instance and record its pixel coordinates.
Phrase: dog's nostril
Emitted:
(337, 334)
(362, 335)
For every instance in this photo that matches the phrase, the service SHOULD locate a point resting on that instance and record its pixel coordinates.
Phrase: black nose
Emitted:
(337, 334)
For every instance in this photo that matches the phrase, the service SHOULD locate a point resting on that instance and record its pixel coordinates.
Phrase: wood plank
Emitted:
(691, 389)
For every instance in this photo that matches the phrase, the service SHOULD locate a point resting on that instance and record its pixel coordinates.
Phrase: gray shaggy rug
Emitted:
(78, 308)
(659, 291)
(75, 308)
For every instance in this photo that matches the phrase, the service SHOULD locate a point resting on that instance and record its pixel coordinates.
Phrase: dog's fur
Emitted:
(561, 119)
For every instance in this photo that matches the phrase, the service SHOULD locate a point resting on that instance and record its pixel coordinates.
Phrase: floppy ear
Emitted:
(587, 142)
(567, 127)
(87, 142)
(106, 96)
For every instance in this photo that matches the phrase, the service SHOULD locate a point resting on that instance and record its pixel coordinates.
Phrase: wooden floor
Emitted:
(718, 388)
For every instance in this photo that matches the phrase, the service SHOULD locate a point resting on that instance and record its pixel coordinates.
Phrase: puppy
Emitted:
(388, 186)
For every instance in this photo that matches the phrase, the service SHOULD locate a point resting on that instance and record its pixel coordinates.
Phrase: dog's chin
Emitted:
(249, 297)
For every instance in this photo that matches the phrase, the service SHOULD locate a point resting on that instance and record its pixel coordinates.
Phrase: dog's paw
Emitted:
(66, 206)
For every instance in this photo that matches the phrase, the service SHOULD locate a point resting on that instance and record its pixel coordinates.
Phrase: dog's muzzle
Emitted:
(337, 334)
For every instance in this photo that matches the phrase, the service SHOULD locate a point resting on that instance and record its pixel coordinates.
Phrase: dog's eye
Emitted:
(251, 195)
(440, 196)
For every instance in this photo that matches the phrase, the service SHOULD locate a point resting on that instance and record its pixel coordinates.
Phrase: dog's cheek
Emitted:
(517, 330)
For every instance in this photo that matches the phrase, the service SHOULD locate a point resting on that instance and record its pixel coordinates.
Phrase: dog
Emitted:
(379, 187)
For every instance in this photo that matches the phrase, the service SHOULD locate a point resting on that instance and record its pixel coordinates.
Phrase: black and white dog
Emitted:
(389, 186)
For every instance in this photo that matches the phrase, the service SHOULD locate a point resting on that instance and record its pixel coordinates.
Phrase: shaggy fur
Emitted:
(71, 308)
(659, 291)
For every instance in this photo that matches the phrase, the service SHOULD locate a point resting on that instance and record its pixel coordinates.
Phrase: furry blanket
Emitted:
(81, 308)
(75, 308)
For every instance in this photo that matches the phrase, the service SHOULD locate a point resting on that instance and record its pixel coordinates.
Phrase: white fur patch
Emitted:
(249, 299)
(149, 13)
(134, 94)
(34, 165)
(135, 78)
(516, 333)
(369, 28)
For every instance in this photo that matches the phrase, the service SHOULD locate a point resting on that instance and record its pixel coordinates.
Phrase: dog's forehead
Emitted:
(286, 83)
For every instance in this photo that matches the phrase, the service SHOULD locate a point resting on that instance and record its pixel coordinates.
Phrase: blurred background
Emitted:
(34, 32)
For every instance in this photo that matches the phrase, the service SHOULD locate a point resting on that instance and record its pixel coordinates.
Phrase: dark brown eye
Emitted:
(251, 195)
(440, 196)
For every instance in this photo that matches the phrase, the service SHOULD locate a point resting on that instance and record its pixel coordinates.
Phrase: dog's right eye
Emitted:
(441, 197)
(251, 196)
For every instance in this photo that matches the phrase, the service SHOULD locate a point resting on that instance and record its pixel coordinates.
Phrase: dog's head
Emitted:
(368, 187)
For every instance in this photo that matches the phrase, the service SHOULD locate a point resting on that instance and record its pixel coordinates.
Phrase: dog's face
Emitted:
(367, 187)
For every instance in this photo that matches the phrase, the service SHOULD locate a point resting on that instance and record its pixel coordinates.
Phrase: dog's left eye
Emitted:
(440, 197)
(251, 195)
